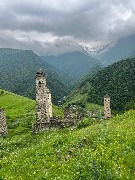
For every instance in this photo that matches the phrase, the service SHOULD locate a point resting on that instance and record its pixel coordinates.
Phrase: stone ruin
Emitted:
(72, 113)
(44, 118)
(3, 126)
(107, 109)
(70, 119)
(43, 99)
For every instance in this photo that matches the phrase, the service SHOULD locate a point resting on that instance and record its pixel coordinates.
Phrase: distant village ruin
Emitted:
(44, 117)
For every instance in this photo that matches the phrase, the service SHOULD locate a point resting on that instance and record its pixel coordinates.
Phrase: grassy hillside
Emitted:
(16, 106)
(17, 74)
(20, 112)
(117, 80)
(103, 150)
(73, 65)
(77, 98)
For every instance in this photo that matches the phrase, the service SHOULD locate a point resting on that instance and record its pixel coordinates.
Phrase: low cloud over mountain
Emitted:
(39, 26)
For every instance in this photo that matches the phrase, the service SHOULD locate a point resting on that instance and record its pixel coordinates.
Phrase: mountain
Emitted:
(119, 50)
(132, 53)
(94, 51)
(74, 65)
(117, 80)
(17, 74)
(106, 54)
(100, 150)
(61, 46)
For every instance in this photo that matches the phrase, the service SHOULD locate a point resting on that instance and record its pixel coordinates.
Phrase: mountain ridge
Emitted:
(18, 70)
(117, 80)
(74, 65)
(119, 50)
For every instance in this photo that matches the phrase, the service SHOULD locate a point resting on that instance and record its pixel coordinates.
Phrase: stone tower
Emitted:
(3, 126)
(107, 109)
(43, 99)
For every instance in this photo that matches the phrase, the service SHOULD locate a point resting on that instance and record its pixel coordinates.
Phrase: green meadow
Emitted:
(103, 150)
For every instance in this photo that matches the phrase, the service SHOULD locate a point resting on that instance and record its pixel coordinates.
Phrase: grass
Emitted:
(17, 106)
(81, 99)
(20, 112)
(94, 107)
(102, 150)
(14, 105)
(76, 98)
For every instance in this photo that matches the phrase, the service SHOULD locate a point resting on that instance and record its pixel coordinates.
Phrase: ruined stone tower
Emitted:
(107, 109)
(3, 126)
(43, 99)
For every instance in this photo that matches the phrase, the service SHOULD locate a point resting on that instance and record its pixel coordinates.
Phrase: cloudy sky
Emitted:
(42, 24)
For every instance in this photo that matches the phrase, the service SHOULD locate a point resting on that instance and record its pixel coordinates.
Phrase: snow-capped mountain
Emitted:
(107, 54)
(115, 51)
(61, 46)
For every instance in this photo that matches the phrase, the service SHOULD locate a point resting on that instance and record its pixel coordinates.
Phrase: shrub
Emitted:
(86, 122)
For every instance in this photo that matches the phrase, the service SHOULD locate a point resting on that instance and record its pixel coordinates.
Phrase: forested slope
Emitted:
(116, 80)
(74, 66)
(17, 74)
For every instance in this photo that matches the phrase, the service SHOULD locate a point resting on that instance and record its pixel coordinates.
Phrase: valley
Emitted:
(117, 80)
(67, 90)
(87, 149)
(73, 66)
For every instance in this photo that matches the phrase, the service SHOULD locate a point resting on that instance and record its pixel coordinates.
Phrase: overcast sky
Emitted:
(41, 24)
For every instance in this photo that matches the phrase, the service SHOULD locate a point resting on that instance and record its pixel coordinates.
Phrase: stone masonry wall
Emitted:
(43, 99)
(71, 118)
(55, 122)
(107, 109)
(3, 126)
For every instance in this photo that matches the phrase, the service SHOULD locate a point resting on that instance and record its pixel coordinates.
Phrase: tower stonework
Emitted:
(43, 99)
(3, 126)
(107, 109)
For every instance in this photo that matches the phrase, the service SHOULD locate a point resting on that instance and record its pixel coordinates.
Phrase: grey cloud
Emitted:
(58, 46)
(86, 21)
